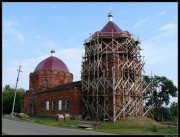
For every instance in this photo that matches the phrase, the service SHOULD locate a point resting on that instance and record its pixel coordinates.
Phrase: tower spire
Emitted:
(110, 15)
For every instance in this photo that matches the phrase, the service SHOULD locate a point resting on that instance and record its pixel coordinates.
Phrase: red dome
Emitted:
(52, 63)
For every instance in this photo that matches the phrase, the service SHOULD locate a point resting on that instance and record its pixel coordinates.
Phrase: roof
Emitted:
(65, 86)
(111, 27)
(52, 63)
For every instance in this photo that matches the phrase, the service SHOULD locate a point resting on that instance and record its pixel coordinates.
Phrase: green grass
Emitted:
(128, 126)
(4, 133)
(140, 130)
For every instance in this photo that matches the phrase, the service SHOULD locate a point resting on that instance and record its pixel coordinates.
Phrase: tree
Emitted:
(166, 89)
(170, 113)
(8, 97)
(162, 89)
(174, 108)
(7, 87)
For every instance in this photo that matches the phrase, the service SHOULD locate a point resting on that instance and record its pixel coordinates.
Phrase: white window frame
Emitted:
(59, 104)
(47, 105)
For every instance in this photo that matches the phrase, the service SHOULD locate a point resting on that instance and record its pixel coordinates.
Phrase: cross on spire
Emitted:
(110, 15)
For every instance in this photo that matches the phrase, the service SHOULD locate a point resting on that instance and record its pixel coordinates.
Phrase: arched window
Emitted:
(67, 105)
(45, 84)
(53, 105)
(60, 105)
(42, 106)
(47, 105)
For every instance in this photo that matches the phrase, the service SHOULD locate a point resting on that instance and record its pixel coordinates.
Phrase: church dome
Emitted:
(52, 63)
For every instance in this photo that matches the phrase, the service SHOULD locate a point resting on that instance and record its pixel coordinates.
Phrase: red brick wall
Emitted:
(53, 78)
(73, 95)
(33, 99)
(30, 97)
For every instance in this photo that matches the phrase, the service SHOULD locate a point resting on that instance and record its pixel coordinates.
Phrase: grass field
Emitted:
(128, 126)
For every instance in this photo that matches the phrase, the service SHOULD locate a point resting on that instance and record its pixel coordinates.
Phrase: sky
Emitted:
(30, 30)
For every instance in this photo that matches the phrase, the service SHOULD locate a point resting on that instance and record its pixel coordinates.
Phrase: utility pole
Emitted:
(152, 91)
(19, 70)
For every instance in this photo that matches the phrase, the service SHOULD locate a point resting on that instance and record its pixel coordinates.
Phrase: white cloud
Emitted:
(53, 7)
(161, 13)
(161, 54)
(61, 19)
(90, 23)
(50, 44)
(18, 36)
(14, 36)
(158, 53)
(123, 21)
(168, 26)
(72, 58)
(175, 16)
(38, 37)
(9, 23)
(4, 43)
(142, 22)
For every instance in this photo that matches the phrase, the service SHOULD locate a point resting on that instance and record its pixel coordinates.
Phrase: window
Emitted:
(45, 83)
(47, 105)
(67, 105)
(42, 105)
(53, 105)
(60, 105)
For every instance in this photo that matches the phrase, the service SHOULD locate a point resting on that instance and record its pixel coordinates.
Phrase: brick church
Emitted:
(52, 90)
(110, 85)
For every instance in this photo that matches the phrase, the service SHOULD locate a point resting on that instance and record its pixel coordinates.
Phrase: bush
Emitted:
(154, 128)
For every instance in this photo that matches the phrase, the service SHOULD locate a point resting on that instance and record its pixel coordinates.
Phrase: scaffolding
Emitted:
(112, 85)
(148, 95)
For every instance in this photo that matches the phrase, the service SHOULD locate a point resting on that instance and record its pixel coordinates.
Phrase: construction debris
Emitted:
(90, 125)
(22, 115)
(59, 117)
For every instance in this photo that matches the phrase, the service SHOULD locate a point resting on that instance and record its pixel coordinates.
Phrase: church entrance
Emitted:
(32, 108)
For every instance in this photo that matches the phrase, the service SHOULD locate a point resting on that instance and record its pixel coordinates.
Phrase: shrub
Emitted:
(154, 128)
